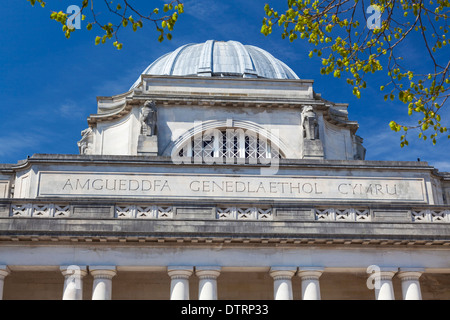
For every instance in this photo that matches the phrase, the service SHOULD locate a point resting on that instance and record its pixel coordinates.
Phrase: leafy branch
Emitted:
(354, 49)
(125, 15)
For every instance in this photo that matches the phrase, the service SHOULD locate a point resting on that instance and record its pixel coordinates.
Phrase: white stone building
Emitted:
(222, 175)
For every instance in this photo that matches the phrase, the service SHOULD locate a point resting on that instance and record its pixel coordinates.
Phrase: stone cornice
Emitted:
(201, 100)
(137, 97)
(233, 79)
(207, 232)
(223, 242)
(101, 160)
(329, 116)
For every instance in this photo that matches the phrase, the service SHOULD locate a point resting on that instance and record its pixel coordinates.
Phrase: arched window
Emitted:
(230, 143)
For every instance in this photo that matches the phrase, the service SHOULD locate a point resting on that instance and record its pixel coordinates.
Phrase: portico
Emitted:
(284, 287)
(214, 272)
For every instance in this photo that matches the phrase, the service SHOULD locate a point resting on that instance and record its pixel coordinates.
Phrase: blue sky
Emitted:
(49, 85)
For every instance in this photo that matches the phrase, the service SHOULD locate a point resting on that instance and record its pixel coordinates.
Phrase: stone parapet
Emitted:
(39, 220)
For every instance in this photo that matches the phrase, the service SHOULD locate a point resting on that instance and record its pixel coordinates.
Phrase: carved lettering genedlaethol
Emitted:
(274, 187)
(246, 187)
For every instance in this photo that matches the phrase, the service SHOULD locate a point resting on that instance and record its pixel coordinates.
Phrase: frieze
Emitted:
(245, 187)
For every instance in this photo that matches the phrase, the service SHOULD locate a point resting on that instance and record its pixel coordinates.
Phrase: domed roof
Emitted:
(220, 59)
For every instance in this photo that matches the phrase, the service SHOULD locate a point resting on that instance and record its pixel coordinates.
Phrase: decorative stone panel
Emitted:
(144, 212)
(48, 210)
(430, 215)
(244, 213)
(351, 214)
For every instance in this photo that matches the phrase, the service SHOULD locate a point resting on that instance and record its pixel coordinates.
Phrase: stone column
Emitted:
(207, 288)
(102, 286)
(73, 281)
(282, 283)
(410, 283)
(384, 289)
(4, 271)
(179, 284)
(310, 282)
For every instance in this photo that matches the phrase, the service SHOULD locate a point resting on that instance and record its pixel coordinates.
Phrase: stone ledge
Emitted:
(259, 231)
(152, 160)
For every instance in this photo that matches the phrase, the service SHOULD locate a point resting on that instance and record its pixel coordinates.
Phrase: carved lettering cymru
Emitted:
(230, 187)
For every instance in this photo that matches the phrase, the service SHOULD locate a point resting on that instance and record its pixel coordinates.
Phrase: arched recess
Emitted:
(228, 139)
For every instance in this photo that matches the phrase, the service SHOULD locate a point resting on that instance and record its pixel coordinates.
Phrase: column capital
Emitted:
(103, 272)
(406, 274)
(310, 273)
(207, 272)
(4, 271)
(387, 273)
(69, 270)
(180, 272)
(282, 273)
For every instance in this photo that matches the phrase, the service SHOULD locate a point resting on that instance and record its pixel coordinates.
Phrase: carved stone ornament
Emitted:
(310, 125)
(360, 150)
(87, 139)
(148, 119)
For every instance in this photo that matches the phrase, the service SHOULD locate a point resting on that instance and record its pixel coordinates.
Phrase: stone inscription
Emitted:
(230, 187)
(114, 185)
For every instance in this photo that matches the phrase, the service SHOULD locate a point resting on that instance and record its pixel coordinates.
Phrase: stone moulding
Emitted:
(118, 106)
(221, 232)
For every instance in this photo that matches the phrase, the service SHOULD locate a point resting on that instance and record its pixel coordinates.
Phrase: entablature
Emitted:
(101, 221)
